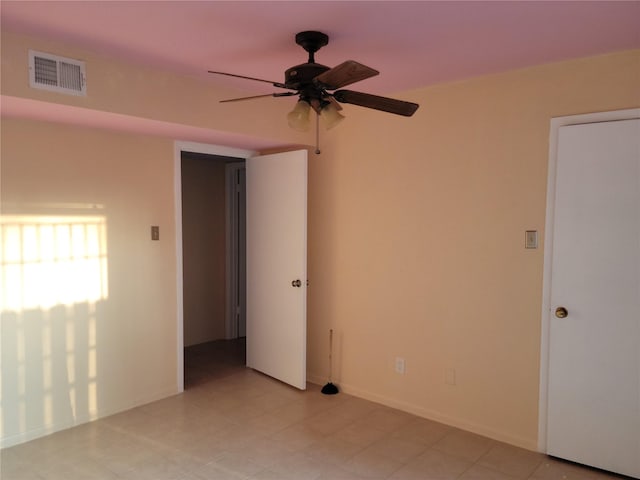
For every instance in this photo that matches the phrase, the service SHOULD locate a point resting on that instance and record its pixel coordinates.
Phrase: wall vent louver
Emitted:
(57, 74)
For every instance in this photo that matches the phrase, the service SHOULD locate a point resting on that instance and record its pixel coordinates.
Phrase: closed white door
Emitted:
(276, 239)
(594, 351)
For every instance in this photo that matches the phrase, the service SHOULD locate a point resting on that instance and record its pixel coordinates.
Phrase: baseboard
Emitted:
(430, 414)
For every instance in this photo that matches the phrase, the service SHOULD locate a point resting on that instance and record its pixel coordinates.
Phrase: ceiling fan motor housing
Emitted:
(303, 74)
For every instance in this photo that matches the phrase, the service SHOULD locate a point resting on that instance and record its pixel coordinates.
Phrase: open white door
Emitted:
(277, 266)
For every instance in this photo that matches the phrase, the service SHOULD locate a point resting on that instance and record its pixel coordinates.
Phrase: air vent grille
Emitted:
(59, 74)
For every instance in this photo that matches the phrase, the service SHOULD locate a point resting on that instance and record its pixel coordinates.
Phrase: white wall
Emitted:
(88, 300)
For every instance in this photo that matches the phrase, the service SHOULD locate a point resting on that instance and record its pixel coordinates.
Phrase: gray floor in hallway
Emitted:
(234, 423)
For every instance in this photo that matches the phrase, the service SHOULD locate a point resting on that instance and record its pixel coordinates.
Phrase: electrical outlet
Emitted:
(400, 365)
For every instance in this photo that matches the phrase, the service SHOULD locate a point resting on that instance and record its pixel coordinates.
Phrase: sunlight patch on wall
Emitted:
(53, 276)
(53, 260)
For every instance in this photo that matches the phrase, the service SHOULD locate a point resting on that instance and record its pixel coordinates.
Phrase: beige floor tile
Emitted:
(236, 462)
(299, 466)
(14, 457)
(477, 472)
(294, 412)
(359, 433)
(356, 408)
(188, 462)
(315, 402)
(333, 450)
(423, 431)
(297, 437)
(234, 423)
(122, 460)
(369, 464)
(553, 469)
(397, 449)
(86, 469)
(328, 421)
(301, 409)
(337, 473)
(511, 460)
(201, 452)
(156, 470)
(386, 419)
(271, 400)
(465, 445)
(262, 452)
(268, 423)
(212, 471)
(267, 475)
(20, 474)
(238, 436)
(243, 412)
(215, 422)
(432, 465)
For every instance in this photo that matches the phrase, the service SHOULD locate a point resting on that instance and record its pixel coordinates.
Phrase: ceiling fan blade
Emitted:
(345, 74)
(385, 104)
(284, 94)
(275, 84)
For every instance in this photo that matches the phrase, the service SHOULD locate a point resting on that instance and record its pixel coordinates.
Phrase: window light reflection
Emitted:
(53, 260)
(54, 273)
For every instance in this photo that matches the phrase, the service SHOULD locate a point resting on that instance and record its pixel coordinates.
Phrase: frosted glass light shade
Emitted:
(298, 118)
(330, 116)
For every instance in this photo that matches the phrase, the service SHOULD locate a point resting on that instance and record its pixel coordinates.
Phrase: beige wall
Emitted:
(417, 242)
(88, 300)
(203, 248)
(416, 228)
(146, 93)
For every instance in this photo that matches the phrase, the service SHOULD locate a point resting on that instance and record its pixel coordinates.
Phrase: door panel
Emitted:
(276, 242)
(594, 352)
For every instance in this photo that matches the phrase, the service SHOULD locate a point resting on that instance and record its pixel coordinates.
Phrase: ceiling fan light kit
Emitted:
(313, 83)
(298, 118)
(330, 116)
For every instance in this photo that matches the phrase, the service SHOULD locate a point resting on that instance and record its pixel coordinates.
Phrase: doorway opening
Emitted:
(213, 265)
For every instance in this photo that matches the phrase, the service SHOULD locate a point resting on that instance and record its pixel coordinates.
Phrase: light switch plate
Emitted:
(155, 232)
(531, 239)
(400, 365)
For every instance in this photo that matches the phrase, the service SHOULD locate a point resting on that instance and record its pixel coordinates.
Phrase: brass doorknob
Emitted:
(561, 312)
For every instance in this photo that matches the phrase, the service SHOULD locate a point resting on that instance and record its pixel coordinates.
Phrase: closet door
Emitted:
(594, 351)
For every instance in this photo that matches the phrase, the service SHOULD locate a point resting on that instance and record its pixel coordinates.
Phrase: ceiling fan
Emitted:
(317, 87)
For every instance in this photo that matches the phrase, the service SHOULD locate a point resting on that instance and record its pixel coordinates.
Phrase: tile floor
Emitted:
(234, 423)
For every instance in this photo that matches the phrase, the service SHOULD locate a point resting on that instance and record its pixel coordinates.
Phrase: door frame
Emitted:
(179, 147)
(235, 276)
(555, 125)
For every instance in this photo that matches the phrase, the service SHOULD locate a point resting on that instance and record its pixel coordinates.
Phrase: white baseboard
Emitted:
(430, 414)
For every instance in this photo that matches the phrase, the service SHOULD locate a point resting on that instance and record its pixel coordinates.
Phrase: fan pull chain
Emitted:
(330, 354)
(317, 134)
